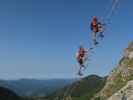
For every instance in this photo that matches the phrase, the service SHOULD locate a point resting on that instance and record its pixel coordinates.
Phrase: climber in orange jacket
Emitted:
(96, 27)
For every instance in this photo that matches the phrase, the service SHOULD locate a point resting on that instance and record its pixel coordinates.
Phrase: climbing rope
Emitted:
(111, 11)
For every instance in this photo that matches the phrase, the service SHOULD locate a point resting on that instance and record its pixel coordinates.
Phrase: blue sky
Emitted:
(39, 38)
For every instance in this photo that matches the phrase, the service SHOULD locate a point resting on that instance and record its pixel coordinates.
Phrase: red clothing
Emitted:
(94, 25)
(81, 54)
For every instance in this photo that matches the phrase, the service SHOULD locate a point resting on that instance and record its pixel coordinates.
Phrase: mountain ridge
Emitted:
(7, 94)
(32, 87)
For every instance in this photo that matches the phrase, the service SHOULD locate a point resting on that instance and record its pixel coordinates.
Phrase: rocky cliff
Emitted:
(119, 77)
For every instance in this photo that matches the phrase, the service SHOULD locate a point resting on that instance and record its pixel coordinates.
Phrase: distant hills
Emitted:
(34, 87)
(55, 89)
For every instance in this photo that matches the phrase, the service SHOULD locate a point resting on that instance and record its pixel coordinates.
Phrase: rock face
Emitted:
(126, 92)
(118, 77)
(128, 52)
